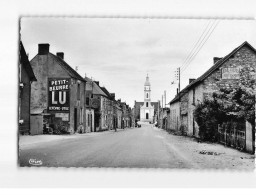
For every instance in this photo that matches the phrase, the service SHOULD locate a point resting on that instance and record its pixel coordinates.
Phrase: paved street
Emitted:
(145, 147)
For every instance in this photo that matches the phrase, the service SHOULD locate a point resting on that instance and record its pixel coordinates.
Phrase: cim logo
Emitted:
(35, 162)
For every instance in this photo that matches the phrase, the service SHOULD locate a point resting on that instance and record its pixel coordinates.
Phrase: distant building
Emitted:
(26, 77)
(146, 111)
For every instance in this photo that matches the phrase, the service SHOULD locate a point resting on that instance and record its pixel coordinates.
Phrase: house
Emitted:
(59, 93)
(26, 77)
(225, 73)
(119, 115)
(109, 109)
(94, 106)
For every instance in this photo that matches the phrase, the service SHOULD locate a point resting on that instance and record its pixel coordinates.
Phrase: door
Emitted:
(194, 127)
(146, 115)
(36, 124)
(91, 123)
(75, 119)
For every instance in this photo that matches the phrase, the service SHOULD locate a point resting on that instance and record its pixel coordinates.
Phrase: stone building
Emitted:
(145, 111)
(225, 73)
(26, 77)
(94, 106)
(59, 93)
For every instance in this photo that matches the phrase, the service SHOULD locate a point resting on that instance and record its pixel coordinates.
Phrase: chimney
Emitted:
(60, 54)
(43, 48)
(216, 59)
(113, 95)
(191, 80)
(97, 82)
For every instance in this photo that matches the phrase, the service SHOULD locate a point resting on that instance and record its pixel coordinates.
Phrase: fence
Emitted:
(232, 134)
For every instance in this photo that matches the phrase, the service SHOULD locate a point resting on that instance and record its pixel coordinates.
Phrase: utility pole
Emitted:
(165, 98)
(162, 101)
(179, 78)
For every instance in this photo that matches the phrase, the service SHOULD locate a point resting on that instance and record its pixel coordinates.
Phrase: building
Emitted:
(225, 73)
(119, 115)
(146, 111)
(109, 111)
(26, 77)
(94, 106)
(59, 93)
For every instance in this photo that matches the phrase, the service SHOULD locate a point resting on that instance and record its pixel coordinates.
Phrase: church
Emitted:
(146, 111)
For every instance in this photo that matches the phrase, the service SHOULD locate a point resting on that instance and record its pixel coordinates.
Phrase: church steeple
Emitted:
(147, 90)
(147, 83)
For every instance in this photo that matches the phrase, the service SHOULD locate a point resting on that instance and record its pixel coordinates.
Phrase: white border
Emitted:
(12, 176)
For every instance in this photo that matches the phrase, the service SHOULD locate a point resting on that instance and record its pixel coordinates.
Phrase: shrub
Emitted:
(207, 115)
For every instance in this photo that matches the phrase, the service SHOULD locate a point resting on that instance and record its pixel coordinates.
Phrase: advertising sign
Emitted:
(230, 73)
(95, 103)
(58, 98)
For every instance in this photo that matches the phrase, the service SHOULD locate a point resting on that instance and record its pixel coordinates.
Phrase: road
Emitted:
(145, 147)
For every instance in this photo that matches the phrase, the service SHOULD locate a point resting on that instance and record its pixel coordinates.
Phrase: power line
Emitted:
(195, 54)
(195, 45)
(199, 45)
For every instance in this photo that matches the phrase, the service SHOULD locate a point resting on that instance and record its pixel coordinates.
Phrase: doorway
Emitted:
(75, 119)
(146, 115)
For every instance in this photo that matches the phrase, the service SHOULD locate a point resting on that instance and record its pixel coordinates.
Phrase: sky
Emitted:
(120, 52)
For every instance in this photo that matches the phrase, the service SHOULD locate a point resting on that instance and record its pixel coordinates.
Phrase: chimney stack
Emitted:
(216, 59)
(113, 95)
(191, 80)
(60, 54)
(97, 82)
(43, 48)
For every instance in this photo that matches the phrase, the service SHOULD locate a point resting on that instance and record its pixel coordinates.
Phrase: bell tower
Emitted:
(147, 91)
(147, 110)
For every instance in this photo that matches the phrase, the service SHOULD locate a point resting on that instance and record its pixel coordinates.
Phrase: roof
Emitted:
(68, 68)
(155, 104)
(25, 63)
(106, 92)
(211, 70)
(96, 89)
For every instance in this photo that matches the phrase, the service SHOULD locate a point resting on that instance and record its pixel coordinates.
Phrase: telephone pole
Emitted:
(179, 78)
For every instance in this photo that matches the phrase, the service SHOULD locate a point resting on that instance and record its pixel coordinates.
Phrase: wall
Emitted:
(44, 66)
(174, 116)
(193, 128)
(24, 104)
(184, 112)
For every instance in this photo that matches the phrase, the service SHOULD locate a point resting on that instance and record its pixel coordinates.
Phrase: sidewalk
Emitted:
(207, 155)
(25, 140)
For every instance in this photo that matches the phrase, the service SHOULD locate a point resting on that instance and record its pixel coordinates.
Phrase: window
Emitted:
(147, 104)
(87, 101)
(81, 115)
(147, 95)
(78, 91)
(194, 93)
(88, 120)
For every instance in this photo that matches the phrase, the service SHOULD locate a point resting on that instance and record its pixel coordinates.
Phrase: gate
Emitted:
(232, 134)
